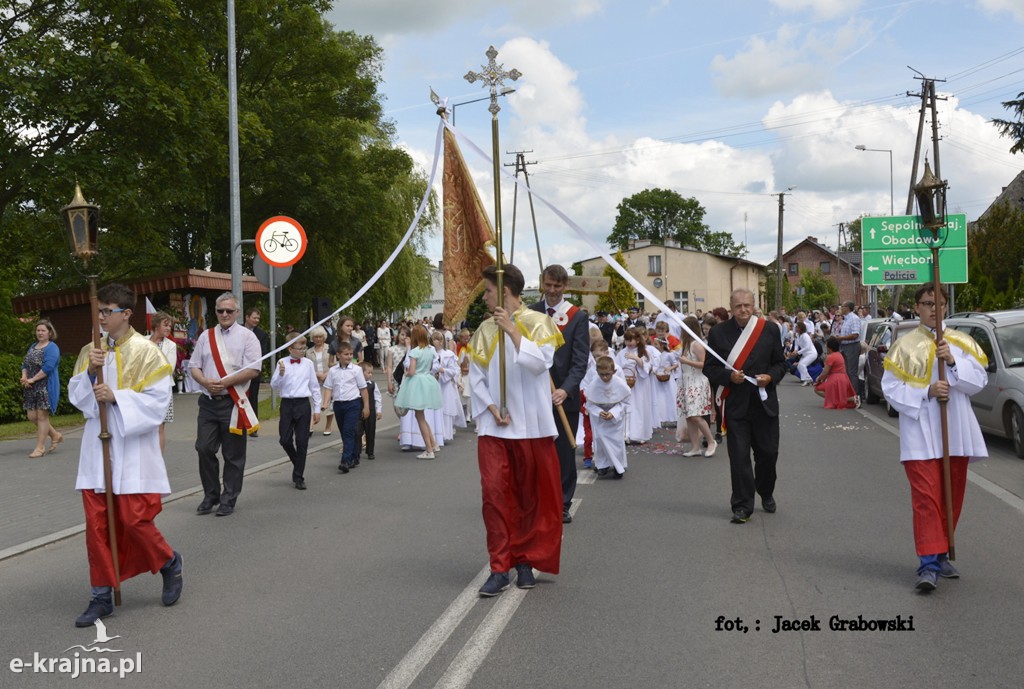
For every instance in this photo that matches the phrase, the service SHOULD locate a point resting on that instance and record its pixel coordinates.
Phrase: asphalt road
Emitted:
(369, 579)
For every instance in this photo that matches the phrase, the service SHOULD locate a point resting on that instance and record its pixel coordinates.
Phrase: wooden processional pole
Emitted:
(493, 75)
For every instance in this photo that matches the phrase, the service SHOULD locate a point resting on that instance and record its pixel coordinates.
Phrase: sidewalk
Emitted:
(38, 500)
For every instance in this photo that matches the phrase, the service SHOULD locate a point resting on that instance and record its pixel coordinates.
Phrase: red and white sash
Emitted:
(563, 314)
(243, 416)
(740, 351)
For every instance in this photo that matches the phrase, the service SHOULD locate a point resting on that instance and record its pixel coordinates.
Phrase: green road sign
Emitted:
(897, 250)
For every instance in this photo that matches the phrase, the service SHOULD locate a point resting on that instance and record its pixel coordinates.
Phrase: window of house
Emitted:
(682, 300)
(640, 302)
(826, 267)
(794, 268)
(654, 265)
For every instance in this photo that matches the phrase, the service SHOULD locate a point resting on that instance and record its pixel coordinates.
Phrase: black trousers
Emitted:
(760, 433)
(293, 428)
(253, 393)
(367, 427)
(566, 452)
(212, 436)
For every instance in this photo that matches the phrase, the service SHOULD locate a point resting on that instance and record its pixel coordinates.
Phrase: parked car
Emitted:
(884, 334)
(1000, 406)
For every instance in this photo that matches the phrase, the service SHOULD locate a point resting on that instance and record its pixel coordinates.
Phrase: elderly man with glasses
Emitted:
(224, 361)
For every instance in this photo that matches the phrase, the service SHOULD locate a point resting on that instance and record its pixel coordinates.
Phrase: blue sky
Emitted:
(727, 102)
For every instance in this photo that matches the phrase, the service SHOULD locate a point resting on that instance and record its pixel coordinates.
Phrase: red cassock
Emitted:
(140, 545)
(522, 502)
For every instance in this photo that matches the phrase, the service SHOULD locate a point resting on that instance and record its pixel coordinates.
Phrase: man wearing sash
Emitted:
(911, 385)
(223, 362)
(136, 389)
(753, 347)
(519, 475)
(567, 371)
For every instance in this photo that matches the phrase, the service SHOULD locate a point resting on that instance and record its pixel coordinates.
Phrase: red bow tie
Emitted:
(295, 361)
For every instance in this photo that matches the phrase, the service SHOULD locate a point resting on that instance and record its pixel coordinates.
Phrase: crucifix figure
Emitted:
(493, 75)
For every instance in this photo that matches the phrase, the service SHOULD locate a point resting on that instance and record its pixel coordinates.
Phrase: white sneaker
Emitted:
(856, 402)
(425, 455)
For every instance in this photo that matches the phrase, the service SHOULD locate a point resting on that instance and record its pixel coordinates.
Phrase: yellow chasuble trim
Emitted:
(146, 363)
(912, 357)
(533, 325)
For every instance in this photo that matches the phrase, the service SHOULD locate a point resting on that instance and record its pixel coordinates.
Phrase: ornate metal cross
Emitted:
(493, 75)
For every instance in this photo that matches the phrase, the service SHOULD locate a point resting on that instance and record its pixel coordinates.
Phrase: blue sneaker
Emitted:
(495, 584)
(99, 606)
(927, 580)
(588, 463)
(171, 573)
(946, 568)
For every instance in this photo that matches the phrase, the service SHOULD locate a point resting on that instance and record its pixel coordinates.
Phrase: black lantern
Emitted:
(931, 199)
(82, 220)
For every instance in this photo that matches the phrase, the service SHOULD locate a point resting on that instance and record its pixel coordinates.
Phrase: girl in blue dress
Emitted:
(420, 390)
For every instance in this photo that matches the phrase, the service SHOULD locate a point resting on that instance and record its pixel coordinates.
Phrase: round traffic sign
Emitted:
(281, 241)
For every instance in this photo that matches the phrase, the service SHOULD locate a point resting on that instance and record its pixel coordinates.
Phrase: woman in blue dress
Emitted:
(420, 390)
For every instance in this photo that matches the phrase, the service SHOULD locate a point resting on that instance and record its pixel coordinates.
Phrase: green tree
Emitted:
(995, 248)
(852, 242)
(131, 99)
(620, 294)
(788, 299)
(656, 215)
(818, 291)
(1013, 129)
(723, 244)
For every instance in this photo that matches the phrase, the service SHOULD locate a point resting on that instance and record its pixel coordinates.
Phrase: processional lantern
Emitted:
(931, 199)
(82, 220)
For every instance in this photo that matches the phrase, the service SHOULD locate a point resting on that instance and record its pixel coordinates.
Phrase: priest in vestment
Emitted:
(519, 470)
(136, 390)
(911, 385)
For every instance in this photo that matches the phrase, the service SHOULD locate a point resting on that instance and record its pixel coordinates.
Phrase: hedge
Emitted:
(11, 395)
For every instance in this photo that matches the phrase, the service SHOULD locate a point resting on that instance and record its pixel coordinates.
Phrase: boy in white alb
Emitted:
(608, 397)
(295, 380)
(911, 385)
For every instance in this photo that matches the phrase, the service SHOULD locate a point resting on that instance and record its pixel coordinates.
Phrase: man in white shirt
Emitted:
(240, 354)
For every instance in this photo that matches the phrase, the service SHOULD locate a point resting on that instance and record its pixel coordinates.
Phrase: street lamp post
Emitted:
(82, 220)
(862, 147)
(503, 92)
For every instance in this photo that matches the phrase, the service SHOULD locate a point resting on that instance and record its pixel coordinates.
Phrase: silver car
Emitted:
(1000, 406)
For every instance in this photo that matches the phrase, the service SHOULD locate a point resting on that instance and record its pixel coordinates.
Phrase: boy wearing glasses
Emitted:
(226, 357)
(911, 384)
(136, 390)
(295, 380)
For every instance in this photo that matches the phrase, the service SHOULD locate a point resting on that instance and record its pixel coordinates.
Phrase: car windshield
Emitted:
(1011, 344)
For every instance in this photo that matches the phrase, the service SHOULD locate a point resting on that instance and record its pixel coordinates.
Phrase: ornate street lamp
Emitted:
(82, 220)
(931, 200)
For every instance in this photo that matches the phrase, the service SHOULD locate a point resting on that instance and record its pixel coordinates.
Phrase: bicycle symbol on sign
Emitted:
(280, 239)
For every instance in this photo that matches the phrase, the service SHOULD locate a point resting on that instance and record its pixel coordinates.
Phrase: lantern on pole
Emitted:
(82, 220)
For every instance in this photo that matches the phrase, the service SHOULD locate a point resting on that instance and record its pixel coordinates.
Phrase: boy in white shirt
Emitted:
(346, 386)
(295, 380)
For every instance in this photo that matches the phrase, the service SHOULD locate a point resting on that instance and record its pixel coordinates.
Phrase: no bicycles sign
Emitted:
(281, 241)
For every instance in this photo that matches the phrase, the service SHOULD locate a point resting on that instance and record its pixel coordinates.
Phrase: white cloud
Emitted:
(1014, 7)
(824, 9)
(767, 67)
(387, 18)
(791, 62)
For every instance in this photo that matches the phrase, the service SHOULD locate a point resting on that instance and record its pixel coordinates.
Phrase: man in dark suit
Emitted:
(606, 327)
(751, 412)
(252, 322)
(567, 371)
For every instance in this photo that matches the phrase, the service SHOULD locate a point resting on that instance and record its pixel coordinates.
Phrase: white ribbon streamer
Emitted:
(391, 259)
(597, 248)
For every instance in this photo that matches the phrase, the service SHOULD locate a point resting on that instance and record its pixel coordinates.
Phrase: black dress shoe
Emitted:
(740, 517)
(370, 457)
(171, 573)
(206, 506)
(225, 510)
(769, 505)
(300, 484)
(343, 468)
(601, 473)
(609, 474)
(566, 517)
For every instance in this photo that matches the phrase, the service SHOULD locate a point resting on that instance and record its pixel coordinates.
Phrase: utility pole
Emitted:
(779, 274)
(520, 166)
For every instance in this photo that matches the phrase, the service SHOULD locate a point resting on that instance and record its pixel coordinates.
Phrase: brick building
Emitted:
(842, 270)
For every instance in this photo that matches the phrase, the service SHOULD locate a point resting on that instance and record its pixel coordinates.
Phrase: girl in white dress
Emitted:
(447, 376)
(635, 361)
(664, 390)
